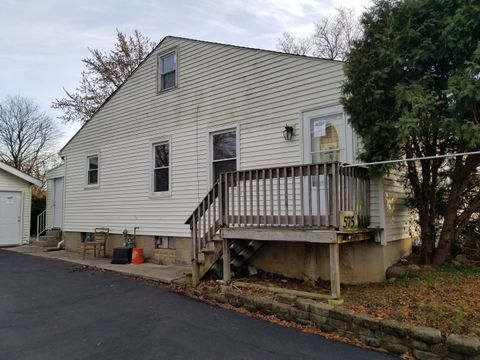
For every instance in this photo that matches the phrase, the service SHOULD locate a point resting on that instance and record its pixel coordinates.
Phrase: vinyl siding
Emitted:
(375, 196)
(397, 215)
(9, 182)
(219, 86)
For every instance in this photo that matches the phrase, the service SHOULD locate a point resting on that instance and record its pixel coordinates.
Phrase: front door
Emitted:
(58, 202)
(324, 134)
(10, 217)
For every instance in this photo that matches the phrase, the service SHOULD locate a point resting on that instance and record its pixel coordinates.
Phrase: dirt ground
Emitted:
(446, 298)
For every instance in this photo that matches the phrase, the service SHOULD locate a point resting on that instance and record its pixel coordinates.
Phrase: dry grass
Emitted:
(446, 298)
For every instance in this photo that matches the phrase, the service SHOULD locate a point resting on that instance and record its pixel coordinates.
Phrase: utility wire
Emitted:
(413, 159)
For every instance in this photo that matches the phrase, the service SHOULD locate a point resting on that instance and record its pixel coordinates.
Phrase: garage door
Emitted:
(10, 212)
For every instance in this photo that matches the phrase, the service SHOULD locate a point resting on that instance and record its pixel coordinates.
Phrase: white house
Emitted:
(194, 109)
(15, 205)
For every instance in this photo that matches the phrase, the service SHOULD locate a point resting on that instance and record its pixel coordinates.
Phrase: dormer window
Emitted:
(167, 66)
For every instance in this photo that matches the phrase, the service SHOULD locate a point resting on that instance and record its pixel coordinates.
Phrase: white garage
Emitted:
(15, 205)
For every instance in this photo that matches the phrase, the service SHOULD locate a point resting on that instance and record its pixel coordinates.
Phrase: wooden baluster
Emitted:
(232, 199)
(326, 192)
(351, 184)
(250, 187)
(279, 201)
(334, 200)
(354, 188)
(294, 199)
(204, 218)
(245, 218)
(367, 212)
(209, 215)
(194, 236)
(302, 197)
(317, 169)
(227, 201)
(264, 197)
(220, 201)
(215, 197)
(258, 197)
(285, 185)
(239, 200)
(343, 190)
(271, 198)
(353, 202)
(309, 174)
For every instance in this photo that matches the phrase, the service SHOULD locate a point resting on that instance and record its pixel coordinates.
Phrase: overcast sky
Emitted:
(42, 42)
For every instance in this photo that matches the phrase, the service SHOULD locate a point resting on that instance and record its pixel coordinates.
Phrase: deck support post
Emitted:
(195, 271)
(335, 270)
(227, 274)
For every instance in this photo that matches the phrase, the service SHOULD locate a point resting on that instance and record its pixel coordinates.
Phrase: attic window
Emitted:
(168, 71)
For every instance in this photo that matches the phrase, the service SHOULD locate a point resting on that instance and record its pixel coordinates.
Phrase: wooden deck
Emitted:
(319, 203)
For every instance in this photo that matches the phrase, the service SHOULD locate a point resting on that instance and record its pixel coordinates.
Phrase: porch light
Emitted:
(288, 133)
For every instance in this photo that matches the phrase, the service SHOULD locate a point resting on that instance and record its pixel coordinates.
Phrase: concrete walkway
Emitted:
(162, 273)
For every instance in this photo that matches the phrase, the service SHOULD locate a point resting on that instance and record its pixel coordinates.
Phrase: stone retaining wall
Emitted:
(423, 342)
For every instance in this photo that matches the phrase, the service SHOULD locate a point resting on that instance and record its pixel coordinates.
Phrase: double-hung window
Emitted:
(161, 167)
(92, 170)
(168, 71)
(224, 152)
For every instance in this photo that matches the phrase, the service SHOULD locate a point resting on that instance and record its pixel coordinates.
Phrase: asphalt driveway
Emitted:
(51, 310)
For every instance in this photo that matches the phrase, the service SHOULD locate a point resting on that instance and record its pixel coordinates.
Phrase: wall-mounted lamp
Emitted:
(288, 133)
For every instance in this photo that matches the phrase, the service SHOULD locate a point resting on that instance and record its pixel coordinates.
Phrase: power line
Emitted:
(413, 159)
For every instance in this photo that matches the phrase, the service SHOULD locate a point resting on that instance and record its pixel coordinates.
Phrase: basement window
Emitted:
(167, 67)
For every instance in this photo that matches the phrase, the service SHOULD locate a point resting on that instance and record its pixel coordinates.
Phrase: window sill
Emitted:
(160, 195)
(91, 187)
(162, 91)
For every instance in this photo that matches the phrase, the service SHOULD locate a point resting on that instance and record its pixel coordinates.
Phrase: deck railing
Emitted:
(292, 196)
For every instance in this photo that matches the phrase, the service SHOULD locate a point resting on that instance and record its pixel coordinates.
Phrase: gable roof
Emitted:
(192, 40)
(19, 174)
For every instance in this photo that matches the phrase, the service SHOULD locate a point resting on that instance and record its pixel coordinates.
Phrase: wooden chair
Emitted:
(100, 237)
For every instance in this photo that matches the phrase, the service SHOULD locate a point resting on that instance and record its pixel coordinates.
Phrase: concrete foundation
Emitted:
(360, 262)
(181, 255)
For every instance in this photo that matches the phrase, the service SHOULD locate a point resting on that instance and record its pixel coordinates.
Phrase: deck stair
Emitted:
(211, 256)
(296, 203)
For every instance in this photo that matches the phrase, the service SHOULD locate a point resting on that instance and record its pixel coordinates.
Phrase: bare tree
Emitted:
(294, 45)
(104, 73)
(332, 37)
(26, 136)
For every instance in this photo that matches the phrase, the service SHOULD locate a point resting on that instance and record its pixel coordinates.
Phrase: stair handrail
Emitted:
(41, 223)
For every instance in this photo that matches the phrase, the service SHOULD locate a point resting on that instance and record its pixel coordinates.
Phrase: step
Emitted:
(46, 242)
(54, 232)
(209, 247)
(217, 238)
(201, 258)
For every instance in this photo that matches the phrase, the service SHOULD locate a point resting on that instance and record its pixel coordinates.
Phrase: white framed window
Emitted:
(167, 71)
(223, 152)
(161, 167)
(327, 136)
(93, 167)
